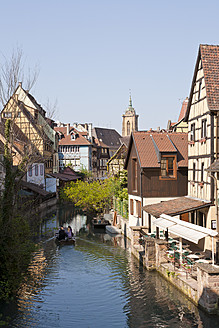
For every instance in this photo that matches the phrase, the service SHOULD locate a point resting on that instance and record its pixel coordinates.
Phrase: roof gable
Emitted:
(109, 137)
(209, 57)
(67, 139)
(151, 145)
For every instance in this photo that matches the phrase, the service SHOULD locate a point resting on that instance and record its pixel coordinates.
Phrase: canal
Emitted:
(96, 283)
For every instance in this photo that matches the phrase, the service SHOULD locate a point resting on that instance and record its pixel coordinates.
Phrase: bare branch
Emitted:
(51, 109)
(12, 70)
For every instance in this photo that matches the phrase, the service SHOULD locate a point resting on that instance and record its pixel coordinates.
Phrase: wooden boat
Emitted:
(113, 230)
(68, 241)
(100, 223)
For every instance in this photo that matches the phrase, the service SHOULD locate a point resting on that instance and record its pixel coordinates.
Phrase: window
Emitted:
(30, 171)
(41, 170)
(199, 89)
(131, 206)
(128, 128)
(204, 128)
(168, 167)
(7, 114)
(134, 174)
(202, 172)
(193, 171)
(36, 169)
(138, 204)
(192, 134)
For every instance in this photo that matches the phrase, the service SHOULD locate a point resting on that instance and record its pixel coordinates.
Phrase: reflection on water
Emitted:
(96, 283)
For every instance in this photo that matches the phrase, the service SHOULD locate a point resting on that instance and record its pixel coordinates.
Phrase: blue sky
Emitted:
(91, 52)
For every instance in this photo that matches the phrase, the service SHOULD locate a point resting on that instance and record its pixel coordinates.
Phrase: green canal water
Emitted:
(96, 283)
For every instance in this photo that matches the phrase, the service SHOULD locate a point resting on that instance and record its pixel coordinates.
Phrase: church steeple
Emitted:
(130, 119)
(130, 101)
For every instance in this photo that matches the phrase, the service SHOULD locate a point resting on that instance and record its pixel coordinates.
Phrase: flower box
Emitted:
(202, 140)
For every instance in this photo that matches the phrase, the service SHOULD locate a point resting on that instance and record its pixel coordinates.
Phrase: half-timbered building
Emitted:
(202, 117)
(30, 118)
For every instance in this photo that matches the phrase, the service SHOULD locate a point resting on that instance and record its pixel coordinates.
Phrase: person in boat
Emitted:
(62, 233)
(69, 232)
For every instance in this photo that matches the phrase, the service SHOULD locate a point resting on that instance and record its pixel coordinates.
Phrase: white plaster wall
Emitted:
(37, 179)
(133, 219)
(51, 184)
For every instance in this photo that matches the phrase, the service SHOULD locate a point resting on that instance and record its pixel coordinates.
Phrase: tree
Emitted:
(96, 196)
(12, 70)
(15, 242)
(93, 197)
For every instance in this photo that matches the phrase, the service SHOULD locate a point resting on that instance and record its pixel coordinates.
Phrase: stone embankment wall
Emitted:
(203, 291)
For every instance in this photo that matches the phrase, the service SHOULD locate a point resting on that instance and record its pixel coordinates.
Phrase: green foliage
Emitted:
(96, 196)
(16, 250)
(90, 196)
(85, 174)
(15, 242)
(120, 185)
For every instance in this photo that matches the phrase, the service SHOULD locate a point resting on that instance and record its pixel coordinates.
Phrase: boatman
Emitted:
(62, 233)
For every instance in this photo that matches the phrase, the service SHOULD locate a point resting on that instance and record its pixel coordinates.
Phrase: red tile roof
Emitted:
(150, 144)
(210, 63)
(209, 55)
(183, 109)
(175, 206)
(66, 140)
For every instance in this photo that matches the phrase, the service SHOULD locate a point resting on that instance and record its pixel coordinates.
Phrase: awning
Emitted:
(176, 206)
(186, 230)
(164, 224)
(214, 167)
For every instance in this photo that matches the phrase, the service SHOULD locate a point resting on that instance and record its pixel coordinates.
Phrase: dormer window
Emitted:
(168, 167)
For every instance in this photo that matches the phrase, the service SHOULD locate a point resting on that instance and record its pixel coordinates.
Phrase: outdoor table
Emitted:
(203, 261)
(193, 256)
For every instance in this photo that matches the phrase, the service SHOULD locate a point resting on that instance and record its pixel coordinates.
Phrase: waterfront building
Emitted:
(109, 137)
(202, 118)
(200, 206)
(157, 165)
(30, 118)
(117, 161)
(105, 143)
(75, 148)
(100, 157)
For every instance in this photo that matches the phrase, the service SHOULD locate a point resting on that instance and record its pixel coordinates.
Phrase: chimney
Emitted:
(90, 130)
(68, 128)
(158, 129)
(20, 84)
